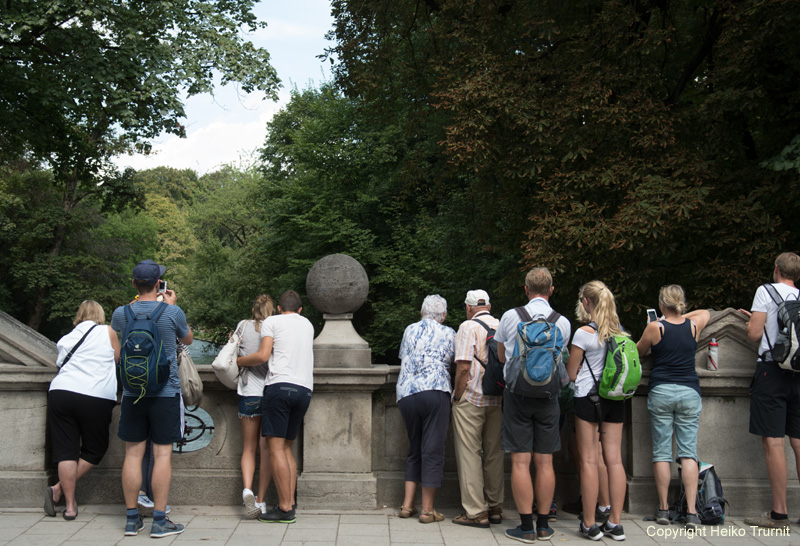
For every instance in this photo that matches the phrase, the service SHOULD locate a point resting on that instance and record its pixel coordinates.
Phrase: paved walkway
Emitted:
(223, 526)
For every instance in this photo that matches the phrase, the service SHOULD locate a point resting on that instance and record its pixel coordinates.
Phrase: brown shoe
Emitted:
(481, 520)
(495, 514)
(430, 517)
(407, 512)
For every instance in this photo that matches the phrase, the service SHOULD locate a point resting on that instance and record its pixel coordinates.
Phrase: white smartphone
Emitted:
(162, 286)
(652, 316)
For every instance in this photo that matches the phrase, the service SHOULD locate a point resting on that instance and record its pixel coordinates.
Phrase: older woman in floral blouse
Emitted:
(423, 398)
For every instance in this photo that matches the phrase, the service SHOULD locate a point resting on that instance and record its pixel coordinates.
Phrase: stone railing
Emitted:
(351, 452)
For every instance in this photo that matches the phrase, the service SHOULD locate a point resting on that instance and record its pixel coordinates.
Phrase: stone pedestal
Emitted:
(339, 345)
(337, 439)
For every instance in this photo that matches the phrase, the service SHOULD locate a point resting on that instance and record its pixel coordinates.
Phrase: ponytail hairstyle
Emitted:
(605, 309)
(673, 298)
(263, 306)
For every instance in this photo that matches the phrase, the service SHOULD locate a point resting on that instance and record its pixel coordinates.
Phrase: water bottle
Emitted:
(713, 354)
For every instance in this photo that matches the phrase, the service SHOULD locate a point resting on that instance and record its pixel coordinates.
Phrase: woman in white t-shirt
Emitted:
(251, 390)
(80, 401)
(597, 419)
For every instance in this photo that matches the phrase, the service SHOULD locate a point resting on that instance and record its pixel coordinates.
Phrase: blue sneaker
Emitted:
(133, 526)
(544, 533)
(166, 529)
(528, 537)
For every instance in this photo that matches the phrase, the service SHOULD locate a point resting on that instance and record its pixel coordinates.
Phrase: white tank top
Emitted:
(91, 370)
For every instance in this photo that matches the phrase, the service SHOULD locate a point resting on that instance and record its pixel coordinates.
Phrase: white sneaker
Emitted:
(252, 511)
(145, 502)
(262, 506)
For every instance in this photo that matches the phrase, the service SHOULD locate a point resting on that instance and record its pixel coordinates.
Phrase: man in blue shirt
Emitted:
(156, 416)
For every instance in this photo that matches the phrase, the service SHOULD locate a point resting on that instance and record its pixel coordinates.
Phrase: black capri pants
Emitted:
(78, 426)
(426, 415)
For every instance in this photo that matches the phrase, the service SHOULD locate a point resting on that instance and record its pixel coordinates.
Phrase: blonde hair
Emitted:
(673, 298)
(789, 265)
(539, 281)
(605, 309)
(90, 310)
(263, 306)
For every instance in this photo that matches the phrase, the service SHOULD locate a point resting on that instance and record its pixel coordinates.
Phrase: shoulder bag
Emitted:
(191, 385)
(224, 364)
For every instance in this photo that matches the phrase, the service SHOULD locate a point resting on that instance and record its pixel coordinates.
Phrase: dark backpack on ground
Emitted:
(709, 504)
(493, 382)
(143, 364)
(533, 368)
(785, 349)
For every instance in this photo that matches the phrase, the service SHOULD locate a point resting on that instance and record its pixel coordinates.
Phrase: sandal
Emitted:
(407, 512)
(481, 520)
(430, 517)
(495, 514)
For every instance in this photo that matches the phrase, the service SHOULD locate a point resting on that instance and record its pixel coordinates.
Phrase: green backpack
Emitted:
(622, 371)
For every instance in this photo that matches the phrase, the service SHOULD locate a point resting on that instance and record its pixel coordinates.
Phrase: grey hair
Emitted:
(434, 307)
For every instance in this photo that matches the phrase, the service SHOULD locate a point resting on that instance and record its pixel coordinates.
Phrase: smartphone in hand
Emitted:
(652, 316)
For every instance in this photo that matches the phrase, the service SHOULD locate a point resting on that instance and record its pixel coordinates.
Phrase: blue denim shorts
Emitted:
(249, 406)
(674, 407)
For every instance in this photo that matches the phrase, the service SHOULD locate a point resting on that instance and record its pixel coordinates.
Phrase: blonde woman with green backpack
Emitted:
(597, 419)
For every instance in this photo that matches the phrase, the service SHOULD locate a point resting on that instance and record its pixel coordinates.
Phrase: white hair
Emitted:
(434, 307)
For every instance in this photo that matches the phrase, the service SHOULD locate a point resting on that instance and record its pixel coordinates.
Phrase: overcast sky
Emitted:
(229, 127)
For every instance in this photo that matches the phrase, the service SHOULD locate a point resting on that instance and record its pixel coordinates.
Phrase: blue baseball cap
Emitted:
(148, 272)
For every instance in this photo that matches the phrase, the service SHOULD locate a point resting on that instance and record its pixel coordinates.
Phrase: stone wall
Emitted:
(352, 451)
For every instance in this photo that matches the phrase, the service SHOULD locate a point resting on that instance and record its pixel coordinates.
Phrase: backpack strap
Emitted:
(523, 314)
(488, 331)
(777, 299)
(553, 317)
(154, 316)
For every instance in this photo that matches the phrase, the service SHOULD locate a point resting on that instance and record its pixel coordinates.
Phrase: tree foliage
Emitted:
(83, 82)
(639, 143)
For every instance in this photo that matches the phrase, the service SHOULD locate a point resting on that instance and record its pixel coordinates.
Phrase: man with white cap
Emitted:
(477, 419)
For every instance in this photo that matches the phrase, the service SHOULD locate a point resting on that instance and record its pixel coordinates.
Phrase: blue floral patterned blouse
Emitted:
(426, 354)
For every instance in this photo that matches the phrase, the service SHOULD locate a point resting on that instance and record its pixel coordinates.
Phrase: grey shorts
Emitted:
(530, 424)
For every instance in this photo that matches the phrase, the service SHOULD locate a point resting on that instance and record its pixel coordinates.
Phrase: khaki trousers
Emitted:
(481, 479)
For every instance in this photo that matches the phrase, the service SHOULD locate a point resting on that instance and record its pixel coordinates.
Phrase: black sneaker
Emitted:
(592, 533)
(276, 515)
(616, 532)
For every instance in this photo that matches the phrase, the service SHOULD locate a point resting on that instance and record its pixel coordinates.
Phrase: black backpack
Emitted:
(143, 363)
(709, 504)
(786, 348)
(493, 381)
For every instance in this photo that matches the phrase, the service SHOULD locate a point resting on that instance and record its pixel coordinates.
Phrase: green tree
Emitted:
(95, 261)
(638, 143)
(83, 82)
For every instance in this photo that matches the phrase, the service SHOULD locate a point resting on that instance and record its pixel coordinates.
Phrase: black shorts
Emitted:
(78, 426)
(775, 402)
(154, 417)
(610, 411)
(283, 409)
(530, 424)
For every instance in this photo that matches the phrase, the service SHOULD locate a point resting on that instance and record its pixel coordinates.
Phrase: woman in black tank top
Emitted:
(674, 400)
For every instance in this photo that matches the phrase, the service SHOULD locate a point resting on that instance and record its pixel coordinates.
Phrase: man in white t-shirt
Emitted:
(775, 392)
(530, 425)
(287, 341)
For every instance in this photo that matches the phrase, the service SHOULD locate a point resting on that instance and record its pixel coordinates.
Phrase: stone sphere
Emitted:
(337, 284)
